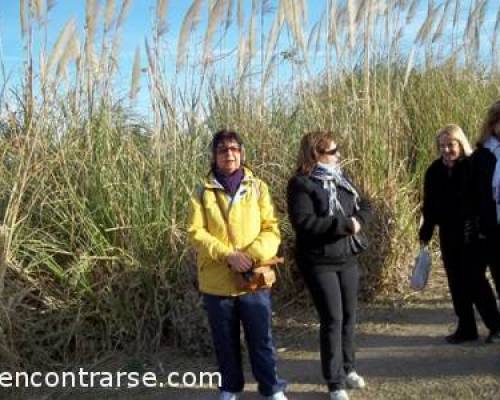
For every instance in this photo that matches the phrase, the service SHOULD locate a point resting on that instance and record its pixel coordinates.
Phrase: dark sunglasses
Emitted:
(224, 150)
(331, 152)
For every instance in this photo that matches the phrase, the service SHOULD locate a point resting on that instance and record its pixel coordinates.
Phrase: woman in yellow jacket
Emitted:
(232, 195)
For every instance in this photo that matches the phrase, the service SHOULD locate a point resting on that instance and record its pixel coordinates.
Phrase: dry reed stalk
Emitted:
(332, 28)
(252, 32)
(351, 13)
(215, 15)
(22, 17)
(426, 27)
(136, 75)
(444, 20)
(3, 257)
(243, 57)
(124, 10)
(409, 66)
(71, 52)
(108, 14)
(161, 26)
(412, 11)
(496, 32)
(37, 6)
(190, 20)
(67, 33)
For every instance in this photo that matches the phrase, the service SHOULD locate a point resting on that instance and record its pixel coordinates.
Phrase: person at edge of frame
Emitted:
(448, 190)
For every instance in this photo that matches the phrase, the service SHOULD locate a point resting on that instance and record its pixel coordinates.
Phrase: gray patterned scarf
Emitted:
(332, 177)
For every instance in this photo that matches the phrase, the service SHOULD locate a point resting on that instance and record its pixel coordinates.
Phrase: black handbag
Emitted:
(358, 243)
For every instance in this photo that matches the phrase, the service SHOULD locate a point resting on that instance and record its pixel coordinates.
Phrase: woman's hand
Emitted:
(239, 261)
(356, 226)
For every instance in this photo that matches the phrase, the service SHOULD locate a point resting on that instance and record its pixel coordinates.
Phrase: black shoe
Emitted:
(493, 337)
(458, 338)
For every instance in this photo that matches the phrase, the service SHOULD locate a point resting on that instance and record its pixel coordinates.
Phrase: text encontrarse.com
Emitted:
(118, 379)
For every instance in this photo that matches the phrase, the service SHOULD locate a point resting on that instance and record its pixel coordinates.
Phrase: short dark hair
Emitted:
(223, 136)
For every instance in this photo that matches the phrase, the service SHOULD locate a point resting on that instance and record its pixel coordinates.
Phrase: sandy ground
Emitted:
(401, 353)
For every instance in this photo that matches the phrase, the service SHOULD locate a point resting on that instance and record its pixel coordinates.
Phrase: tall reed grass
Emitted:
(93, 251)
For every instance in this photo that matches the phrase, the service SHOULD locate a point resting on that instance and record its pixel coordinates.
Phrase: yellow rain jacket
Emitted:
(253, 222)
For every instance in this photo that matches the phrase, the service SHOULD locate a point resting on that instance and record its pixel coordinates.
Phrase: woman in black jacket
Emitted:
(327, 214)
(448, 190)
(486, 167)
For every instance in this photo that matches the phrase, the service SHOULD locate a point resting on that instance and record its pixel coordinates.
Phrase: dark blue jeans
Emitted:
(254, 312)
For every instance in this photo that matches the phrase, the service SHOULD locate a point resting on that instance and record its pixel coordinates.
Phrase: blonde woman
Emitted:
(447, 204)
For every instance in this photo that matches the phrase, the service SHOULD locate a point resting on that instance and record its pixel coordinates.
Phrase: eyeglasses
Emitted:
(232, 149)
(331, 152)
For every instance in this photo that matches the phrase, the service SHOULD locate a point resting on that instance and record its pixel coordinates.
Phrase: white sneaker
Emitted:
(277, 396)
(228, 396)
(354, 381)
(339, 395)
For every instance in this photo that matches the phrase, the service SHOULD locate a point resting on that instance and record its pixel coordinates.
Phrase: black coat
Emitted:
(322, 239)
(447, 199)
(483, 167)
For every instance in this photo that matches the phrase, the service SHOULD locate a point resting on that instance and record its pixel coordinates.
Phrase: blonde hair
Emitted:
(491, 119)
(455, 133)
(311, 146)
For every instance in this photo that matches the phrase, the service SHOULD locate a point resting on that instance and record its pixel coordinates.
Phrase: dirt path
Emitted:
(401, 353)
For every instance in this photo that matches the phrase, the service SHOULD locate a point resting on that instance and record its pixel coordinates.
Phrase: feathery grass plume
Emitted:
(472, 20)
(427, 25)
(91, 16)
(444, 20)
(42, 67)
(188, 24)
(315, 35)
(292, 11)
(114, 56)
(456, 15)
(161, 9)
(241, 13)
(37, 9)
(243, 57)
(57, 51)
(304, 12)
(229, 15)
(272, 41)
(215, 15)
(151, 63)
(332, 29)
(161, 13)
(412, 11)
(351, 13)
(496, 32)
(22, 16)
(136, 75)
(71, 52)
(108, 14)
(362, 11)
(252, 34)
(124, 10)
(409, 66)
